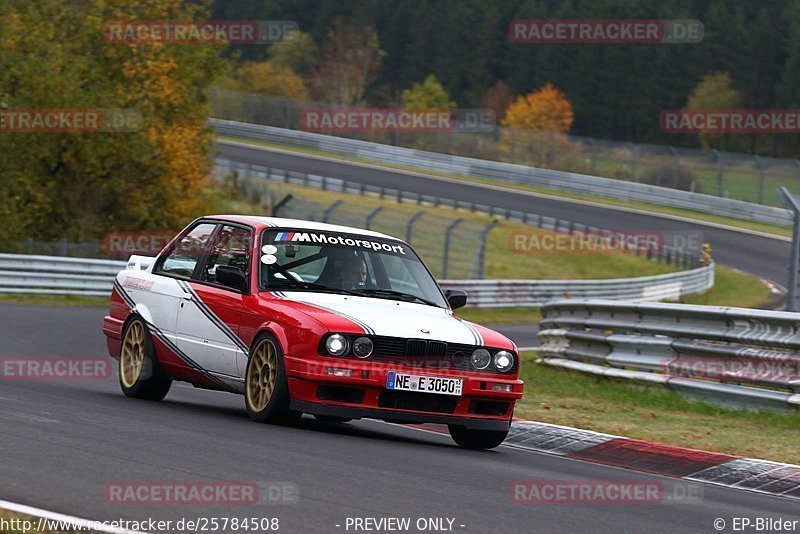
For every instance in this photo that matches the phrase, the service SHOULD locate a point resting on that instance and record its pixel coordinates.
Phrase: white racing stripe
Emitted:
(78, 523)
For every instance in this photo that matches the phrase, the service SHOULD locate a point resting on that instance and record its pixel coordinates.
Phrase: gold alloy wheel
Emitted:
(132, 358)
(262, 372)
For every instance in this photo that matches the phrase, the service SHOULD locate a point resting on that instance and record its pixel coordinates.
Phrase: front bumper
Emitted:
(313, 390)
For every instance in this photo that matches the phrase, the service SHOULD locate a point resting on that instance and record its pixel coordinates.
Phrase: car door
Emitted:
(160, 292)
(210, 313)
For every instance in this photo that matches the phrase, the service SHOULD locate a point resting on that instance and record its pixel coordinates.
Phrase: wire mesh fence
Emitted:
(450, 246)
(724, 174)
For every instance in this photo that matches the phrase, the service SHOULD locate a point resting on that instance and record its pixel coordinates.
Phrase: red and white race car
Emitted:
(304, 317)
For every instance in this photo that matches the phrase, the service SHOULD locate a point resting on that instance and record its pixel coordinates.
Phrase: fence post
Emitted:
(327, 213)
(720, 172)
(760, 165)
(793, 299)
(481, 263)
(371, 216)
(676, 163)
(447, 232)
(409, 226)
(280, 204)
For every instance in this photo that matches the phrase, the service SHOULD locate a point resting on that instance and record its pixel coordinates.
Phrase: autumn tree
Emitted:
(297, 52)
(497, 98)
(266, 78)
(714, 91)
(428, 95)
(536, 126)
(80, 185)
(350, 59)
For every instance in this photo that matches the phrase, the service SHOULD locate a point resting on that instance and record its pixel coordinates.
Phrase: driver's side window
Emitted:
(231, 248)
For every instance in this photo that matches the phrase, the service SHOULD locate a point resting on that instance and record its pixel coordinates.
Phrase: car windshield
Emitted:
(314, 260)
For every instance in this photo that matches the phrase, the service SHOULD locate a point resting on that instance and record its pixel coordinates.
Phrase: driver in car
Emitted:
(353, 272)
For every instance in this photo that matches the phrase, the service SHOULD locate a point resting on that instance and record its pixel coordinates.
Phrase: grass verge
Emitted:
(654, 208)
(653, 413)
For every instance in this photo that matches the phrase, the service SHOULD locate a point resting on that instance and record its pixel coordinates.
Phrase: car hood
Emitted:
(385, 317)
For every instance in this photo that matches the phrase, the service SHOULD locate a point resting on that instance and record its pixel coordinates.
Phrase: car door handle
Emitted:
(186, 296)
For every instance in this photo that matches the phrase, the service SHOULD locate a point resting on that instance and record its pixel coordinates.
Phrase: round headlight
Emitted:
(503, 361)
(480, 359)
(337, 345)
(362, 347)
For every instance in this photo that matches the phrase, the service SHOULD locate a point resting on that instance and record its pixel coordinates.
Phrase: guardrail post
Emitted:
(371, 216)
(447, 232)
(329, 211)
(481, 261)
(410, 225)
(793, 299)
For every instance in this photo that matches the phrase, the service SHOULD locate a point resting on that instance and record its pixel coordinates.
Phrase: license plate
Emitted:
(424, 384)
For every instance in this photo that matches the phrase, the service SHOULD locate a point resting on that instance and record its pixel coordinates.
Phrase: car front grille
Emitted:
(421, 353)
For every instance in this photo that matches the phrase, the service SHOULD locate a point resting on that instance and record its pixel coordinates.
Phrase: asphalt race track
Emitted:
(63, 442)
(765, 257)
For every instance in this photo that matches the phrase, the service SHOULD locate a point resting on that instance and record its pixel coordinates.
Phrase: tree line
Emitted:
(617, 90)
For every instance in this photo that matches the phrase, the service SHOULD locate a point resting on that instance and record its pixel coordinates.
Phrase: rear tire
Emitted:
(140, 374)
(266, 389)
(476, 439)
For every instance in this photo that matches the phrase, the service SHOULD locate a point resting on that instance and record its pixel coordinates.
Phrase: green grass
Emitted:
(653, 413)
(733, 288)
(55, 300)
(654, 208)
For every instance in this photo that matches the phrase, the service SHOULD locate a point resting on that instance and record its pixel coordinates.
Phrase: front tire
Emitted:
(476, 439)
(266, 389)
(140, 374)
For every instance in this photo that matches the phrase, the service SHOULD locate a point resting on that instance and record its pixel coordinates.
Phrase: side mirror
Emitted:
(456, 298)
(231, 277)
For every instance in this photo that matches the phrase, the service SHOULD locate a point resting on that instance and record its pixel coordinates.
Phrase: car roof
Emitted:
(279, 222)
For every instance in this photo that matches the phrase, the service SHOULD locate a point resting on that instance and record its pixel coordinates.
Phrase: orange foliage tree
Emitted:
(536, 126)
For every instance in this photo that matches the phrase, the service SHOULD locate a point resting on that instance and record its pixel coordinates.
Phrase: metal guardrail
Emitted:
(55, 275)
(534, 293)
(508, 172)
(737, 357)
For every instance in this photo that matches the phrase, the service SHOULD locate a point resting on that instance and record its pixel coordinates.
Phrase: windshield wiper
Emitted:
(393, 293)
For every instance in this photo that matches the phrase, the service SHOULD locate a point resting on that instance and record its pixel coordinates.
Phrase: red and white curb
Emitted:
(761, 476)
